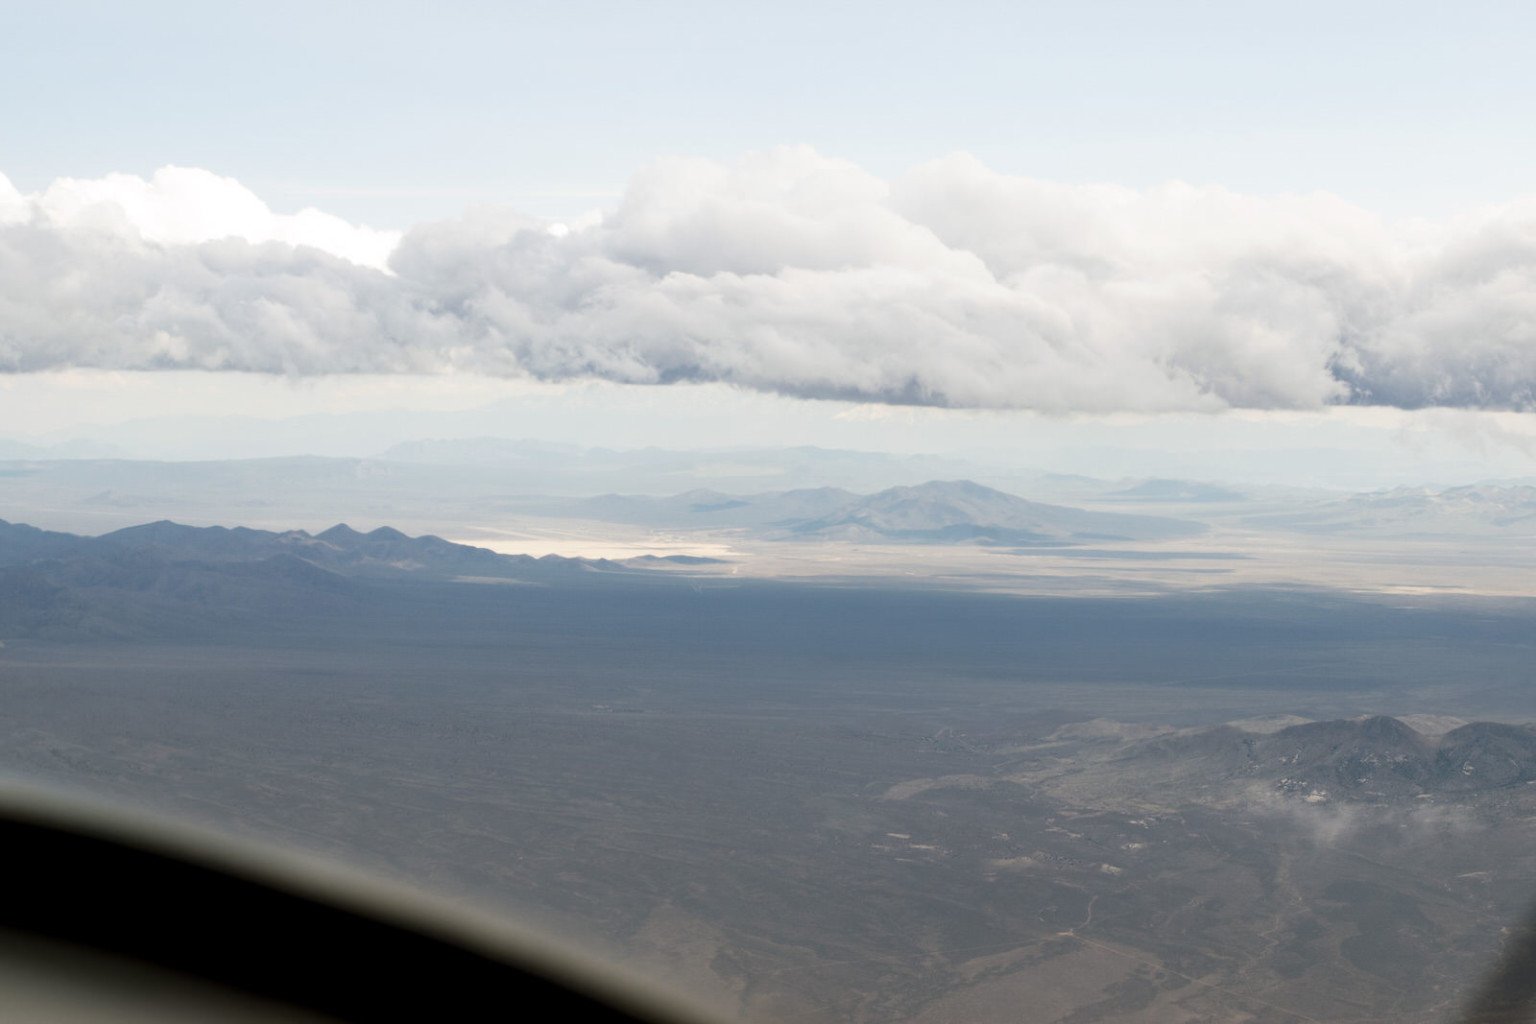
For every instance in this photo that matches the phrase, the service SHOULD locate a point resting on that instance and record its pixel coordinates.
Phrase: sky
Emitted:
(998, 214)
(393, 113)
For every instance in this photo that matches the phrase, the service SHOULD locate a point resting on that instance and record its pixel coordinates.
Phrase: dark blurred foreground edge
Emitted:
(1508, 994)
(284, 929)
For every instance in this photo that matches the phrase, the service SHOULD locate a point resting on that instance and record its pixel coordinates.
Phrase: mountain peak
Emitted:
(1372, 758)
(341, 532)
(159, 531)
(963, 511)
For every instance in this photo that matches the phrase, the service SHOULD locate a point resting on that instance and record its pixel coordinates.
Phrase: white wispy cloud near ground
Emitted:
(791, 272)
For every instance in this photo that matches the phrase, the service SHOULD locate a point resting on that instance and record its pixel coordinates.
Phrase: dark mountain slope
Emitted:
(20, 543)
(167, 578)
(1368, 758)
(384, 551)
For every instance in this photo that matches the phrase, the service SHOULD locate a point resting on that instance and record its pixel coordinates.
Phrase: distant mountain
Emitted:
(1376, 758)
(429, 486)
(654, 560)
(1500, 507)
(1175, 492)
(74, 449)
(542, 467)
(937, 512)
(705, 509)
(1486, 509)
(484, 451)
(960, 511)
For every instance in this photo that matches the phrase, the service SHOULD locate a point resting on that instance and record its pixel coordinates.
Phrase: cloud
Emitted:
(181, 206)
(794, 273)
(1332, 822)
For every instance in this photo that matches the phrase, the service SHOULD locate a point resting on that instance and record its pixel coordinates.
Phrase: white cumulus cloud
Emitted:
(186, 206)
(791, 272)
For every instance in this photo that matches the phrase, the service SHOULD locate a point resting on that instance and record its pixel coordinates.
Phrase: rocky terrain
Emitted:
(1377, 759)
(851, 802)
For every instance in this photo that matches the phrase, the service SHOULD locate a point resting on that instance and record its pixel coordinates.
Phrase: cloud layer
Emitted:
(794, 273)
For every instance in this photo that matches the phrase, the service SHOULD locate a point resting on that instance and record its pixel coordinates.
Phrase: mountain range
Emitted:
(340, 549)
(1175, 492)
(937, 512)
(166, 575)
(1373, 759)
(1475, 510)
(959, 511)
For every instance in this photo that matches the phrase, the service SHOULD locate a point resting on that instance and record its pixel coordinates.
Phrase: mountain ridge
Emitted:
(1372, 758)
(167, 575)
(933, 512)
(962, 511)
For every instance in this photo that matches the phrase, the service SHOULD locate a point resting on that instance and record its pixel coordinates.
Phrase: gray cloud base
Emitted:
(793, 273)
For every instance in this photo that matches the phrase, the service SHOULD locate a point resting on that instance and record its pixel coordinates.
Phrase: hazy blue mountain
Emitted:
(561, 468)
(961, 511)
(488, 451)
(1175, 492)
(96, 495)
(1480, 509)
(708, 508)
(72, 449)
(654, 560)
(928, 513)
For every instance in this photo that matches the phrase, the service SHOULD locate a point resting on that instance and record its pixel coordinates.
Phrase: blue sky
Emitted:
(393, 113)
